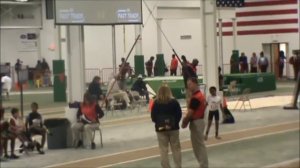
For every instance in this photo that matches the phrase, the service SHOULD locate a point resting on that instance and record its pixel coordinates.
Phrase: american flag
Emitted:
(264, 17)
(230, 3)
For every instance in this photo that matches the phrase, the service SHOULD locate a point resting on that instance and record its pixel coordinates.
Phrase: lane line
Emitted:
(244, 132)
(208, 146)
(284, 164)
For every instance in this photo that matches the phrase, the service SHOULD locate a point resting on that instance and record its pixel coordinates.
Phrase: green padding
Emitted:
(139, 65)
(59, 89)
(234, 62)
(59, 86)
(175, 83)
(58, 66)
(257, 82)
(159, 66)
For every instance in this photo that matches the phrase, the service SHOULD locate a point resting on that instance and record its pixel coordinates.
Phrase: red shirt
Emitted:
(198, 104)
(174, 64)
(89, 111)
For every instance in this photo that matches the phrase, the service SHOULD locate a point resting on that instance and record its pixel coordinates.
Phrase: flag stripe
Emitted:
(270, 3)
(260, 22)
(267, 31)
(255, 32)
(267, 12)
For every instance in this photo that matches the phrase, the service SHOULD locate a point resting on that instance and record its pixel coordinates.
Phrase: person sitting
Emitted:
(95, 88)
(34, 125)
(5, 136)
(88, 116)
(6, 84)
(115, 93)
(140, 86)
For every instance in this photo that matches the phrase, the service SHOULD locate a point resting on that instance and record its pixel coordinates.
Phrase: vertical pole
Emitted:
(59, 42)
(234, 31)
(82, 57)
(139, 44)
(70, 93)
(114, 54)
(159, 38)
(21, 95)
(221, 44)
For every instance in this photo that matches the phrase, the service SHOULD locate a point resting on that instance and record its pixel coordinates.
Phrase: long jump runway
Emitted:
(116, 159)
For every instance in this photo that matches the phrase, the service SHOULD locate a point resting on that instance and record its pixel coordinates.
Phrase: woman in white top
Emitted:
(213, 104)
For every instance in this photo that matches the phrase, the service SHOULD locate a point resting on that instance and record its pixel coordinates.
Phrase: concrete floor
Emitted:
(133, 130)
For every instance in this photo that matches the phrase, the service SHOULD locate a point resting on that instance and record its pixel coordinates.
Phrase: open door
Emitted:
(271, 51)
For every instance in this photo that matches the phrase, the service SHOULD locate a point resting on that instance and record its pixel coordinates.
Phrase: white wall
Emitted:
(10, 43)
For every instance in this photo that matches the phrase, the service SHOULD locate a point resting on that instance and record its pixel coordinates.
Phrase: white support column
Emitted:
(221, 64)
(159, 37)
(114, 50)
(210, 49)
(76, 63)
(139, 44)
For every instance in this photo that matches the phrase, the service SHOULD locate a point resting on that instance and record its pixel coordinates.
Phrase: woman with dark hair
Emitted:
(87, 120)
(281, 63)
(95, 88)
(166, 114)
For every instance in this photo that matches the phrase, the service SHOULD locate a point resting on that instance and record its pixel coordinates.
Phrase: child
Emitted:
(34, 125)
(213, 103)
(6, 135)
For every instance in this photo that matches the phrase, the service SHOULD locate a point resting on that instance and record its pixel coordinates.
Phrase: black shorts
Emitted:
(213, 114)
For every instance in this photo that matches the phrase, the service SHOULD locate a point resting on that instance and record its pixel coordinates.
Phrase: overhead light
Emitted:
(22, 0)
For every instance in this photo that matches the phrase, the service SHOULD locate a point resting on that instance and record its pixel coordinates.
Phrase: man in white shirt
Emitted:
(115, 93)
(6, 85)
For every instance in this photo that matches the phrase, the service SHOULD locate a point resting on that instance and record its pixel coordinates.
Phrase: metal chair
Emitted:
(244, 98)
(100, 133)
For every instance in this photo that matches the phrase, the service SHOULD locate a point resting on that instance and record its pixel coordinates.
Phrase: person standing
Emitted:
(281, 63)
(188, 70)
(149, 66)
(253, 63)
(243, 63)
(174, 65)
(166, 114)
(124, 68)
(213, 103)
(263, 63)
(195, 119)
(95, 88)
(6, 85)
(295, 62)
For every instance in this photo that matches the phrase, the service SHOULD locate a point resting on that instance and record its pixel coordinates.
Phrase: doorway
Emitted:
(271, 51)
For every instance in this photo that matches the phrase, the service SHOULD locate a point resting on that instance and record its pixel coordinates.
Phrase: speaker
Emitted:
(49, 9)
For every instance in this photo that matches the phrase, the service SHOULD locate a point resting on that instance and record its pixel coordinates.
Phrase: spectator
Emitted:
(174, 65)
(149, 66)
(221, 78)
(140, 86)
(243, 63)
(44, 65)
(166, 114)
(234, 63)
(6, 83)
(213, 103)
(253, 63)
(87, 120)
(18, 65)
(6, 135)
(263, 63)
(195, 119)
(34, 125)
(95, 88)
(281, 63)
(3, 126)
(38, 66)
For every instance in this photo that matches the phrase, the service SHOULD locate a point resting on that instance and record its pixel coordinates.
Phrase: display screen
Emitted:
(98, 12)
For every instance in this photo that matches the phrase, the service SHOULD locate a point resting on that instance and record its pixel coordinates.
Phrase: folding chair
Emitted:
(100, 133)
(244, 98)
(232, 89)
